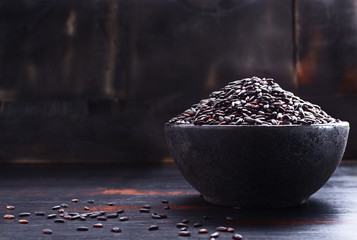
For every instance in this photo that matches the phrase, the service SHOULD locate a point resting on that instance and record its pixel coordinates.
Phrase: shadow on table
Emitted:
(314, 211)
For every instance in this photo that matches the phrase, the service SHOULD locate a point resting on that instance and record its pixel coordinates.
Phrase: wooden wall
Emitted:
(96, 80)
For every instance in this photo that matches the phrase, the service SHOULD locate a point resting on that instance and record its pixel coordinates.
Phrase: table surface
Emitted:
(331, 213)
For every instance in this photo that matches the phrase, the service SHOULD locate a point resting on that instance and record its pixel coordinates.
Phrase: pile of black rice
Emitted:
(253, 101)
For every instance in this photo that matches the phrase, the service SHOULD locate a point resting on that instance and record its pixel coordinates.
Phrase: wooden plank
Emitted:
(326, 47)
(59, 49)
(92, 137)
(329, 214)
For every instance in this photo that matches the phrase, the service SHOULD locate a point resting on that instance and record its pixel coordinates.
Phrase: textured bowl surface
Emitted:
(257, 166)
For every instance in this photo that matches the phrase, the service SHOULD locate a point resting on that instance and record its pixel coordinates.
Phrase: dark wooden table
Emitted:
(331, 213)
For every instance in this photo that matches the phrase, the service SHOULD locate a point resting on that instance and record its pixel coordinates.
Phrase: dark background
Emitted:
(95, 80)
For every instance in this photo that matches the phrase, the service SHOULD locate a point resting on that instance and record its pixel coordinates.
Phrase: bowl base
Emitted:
(254, 205)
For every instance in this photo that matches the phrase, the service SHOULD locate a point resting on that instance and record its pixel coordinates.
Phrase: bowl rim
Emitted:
(341, 124)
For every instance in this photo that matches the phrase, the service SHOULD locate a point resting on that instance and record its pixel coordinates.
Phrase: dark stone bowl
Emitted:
(257, 166)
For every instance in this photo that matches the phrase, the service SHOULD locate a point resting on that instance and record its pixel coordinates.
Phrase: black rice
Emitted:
(253, 101)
